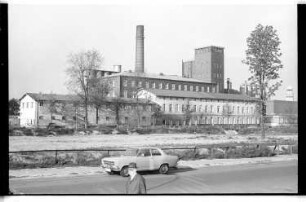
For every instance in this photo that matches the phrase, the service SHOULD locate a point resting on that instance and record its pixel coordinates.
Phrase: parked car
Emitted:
(147, 158)
(52, 126)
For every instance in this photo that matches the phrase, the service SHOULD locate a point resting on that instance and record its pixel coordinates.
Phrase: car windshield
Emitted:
(130, 152)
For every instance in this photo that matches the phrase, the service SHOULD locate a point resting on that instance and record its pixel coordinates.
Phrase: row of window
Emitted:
(169, 86)
(107, 119)
(217, 75)
(207, 109)
(27, 105)
(220, 120)
(218, 66)
(126, 119)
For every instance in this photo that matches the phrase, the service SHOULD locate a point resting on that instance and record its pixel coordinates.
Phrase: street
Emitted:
(274, 177)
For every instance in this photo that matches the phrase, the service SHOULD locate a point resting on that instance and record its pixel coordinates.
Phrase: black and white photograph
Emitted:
(152, 98)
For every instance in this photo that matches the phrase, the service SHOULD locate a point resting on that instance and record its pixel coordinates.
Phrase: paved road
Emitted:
(275, 177)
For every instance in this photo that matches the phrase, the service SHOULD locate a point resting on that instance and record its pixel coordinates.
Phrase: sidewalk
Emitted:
(84, 170)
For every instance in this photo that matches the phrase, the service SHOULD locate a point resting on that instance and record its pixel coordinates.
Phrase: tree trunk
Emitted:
(97, 115)
(76, 119)
(86, 113)
(263, 136)
(117, 116)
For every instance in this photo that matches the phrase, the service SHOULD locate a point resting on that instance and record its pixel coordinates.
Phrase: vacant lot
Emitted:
(23, 143)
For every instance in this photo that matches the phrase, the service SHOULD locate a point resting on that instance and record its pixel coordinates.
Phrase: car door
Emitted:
(157, 158)
(144, 159)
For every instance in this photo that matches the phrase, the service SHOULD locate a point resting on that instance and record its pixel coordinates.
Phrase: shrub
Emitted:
(104, 129)
(283, 129)
(143, 130)
(41, 131)
(247, 131)
(249, 152)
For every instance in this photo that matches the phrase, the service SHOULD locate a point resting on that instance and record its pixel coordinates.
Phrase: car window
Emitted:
(130, 152)
(147, 152)
(140, 152)
(144, 152)
(155, 152)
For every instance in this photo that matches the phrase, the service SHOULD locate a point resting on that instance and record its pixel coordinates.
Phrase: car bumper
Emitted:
(108, 168)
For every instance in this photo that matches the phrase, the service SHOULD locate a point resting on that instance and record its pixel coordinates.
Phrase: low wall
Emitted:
(58, 158)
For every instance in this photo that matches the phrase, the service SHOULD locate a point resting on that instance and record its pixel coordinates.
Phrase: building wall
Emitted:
(187, 69)
(207, 111)
(208, 66)
(128, 115)
(212, 111)
(217, 65)
(202, 65)
(129, 85)
(276, 107)
(281, 120)
(28, 107)
(67, 114)
(281, 112)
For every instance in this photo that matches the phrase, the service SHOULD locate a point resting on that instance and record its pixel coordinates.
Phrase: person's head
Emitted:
(132, 169)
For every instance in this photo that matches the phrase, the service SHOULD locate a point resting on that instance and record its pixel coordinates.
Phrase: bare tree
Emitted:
(262, 57)
(53, 107)
(98, 91)
(157, 114)
(188, 112)
(76, 105)
(81, 66)
(139, 108)
(116, 106)
(227, 112)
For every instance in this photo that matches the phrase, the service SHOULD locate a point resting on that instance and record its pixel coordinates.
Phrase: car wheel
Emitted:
(124, 171)
(164, 168)
(110, 173)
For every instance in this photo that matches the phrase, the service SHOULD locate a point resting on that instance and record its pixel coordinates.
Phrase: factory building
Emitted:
(201, 87)
(198, 97)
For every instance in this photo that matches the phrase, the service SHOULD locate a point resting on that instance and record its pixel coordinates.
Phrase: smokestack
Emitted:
(228, 84)
(139, 63)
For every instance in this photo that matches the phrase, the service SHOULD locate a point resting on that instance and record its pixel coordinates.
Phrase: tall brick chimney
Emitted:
(139, 62)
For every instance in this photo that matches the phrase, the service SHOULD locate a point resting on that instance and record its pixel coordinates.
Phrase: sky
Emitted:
(41, 36)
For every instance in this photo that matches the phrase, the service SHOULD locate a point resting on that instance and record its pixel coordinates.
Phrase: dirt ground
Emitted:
(24, 143)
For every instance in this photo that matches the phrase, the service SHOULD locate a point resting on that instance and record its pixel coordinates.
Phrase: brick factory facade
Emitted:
(126, 84)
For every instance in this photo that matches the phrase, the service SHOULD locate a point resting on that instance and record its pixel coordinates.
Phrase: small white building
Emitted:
(34, 107)
(28, 111)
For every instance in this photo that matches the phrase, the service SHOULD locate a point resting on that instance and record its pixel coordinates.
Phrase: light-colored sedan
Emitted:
(147, 158)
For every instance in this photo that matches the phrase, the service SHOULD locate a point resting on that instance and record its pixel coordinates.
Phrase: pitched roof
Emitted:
(45, 97)
(69, 97)
(156, 76)
(189, 94)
